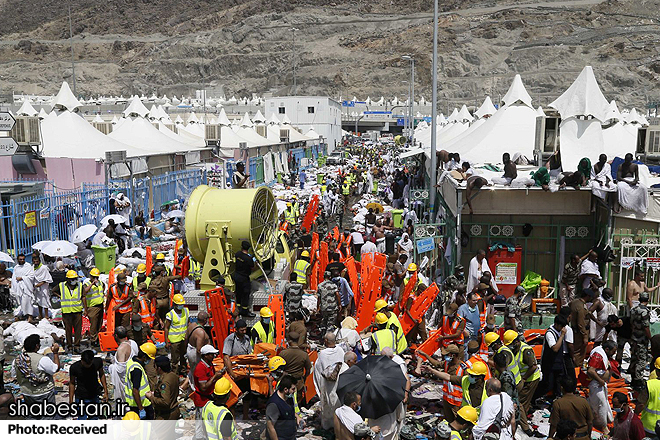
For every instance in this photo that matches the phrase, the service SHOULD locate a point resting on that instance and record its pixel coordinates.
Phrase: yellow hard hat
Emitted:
(178, 299)
(657, 363)
(381, 318)
(149, 348)
(131, 415)
(94, 272)
(509, 336)
(142, 268)
(380, 305)
(222, 387)
(490, 338)
(288, 204)
(469, 414)
(72, 274)
(412, 267)
(275, 363)
(160, 256)
(478, 369)
(304, 254)
(265, 312)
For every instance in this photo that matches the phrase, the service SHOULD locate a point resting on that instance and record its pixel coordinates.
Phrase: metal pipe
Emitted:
(412, 104)
(73, 65)
(434, 111)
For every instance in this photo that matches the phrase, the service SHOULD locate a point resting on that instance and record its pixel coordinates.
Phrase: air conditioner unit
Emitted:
(212, 132)
(284, 135)
(172, 127)
(26, 131)
(261, 130)
(103, 127)
(115, 156)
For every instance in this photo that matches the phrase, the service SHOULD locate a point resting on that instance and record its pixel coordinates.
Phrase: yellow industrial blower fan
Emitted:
(218, 220)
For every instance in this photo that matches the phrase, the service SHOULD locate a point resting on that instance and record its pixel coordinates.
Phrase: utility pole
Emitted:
(293, 32)
(73, 65)
(434, 112)
(412, 97)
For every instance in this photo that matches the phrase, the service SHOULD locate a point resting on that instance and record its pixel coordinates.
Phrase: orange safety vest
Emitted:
(126, 308)
(147, 310)
(453, 394)
(468, 364)
(450, 329)
(483, 348)
(284, 226)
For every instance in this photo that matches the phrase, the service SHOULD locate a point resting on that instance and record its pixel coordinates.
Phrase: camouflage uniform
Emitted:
(293, 293)
(328, 303)
(640, 318)
(513, 310)
(509, 387)
(339, 212)
(449, 287)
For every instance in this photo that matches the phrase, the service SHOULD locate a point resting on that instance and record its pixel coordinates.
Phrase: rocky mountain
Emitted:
(347, 47)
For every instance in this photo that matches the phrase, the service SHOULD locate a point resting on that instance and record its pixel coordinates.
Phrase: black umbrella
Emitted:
(380, 382)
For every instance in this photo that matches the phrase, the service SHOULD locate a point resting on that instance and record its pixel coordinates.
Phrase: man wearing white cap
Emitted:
(204, 379)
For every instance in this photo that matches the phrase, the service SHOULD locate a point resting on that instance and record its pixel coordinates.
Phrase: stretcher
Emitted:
(407, 290)
(311, 213)
(149, 259)
(352, 275)
(216, 304)
(310, 389)
(418, 308)
(323, 257)
(431, 345)
(276, 305)
(372, 273)
(107, 339)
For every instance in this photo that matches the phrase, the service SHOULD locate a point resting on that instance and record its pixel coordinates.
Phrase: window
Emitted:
(281, 110)
(310, 109)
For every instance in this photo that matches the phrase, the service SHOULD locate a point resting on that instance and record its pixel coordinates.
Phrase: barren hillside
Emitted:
(347, 47)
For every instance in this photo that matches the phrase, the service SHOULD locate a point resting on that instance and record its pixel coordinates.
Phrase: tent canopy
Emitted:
(582, 98)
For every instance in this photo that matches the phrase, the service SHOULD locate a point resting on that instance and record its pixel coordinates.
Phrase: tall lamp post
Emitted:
(406, 125)
(293, 32)
(434, 111)
(412, 97)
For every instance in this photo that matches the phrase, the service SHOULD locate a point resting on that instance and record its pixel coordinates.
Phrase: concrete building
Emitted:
(321, 113)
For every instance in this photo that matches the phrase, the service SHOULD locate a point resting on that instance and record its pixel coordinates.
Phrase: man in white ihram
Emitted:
(479, 265)
(22, 286)
(496, 411)
(390, 424)
(327, 368)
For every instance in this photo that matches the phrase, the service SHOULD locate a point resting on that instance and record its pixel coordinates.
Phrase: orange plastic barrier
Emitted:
(218, 309)
(418, 308)
(310, 389)
(311, 213)
(323, 257)
(431, 345)
(276, 305)
(407, 290)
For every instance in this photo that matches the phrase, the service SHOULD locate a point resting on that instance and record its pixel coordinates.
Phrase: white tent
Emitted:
(182, 136)
(285, 119)
(65, 100)
(27, 109)
(253, 138)
(582, 98)
(464, 115)
(486, 110)
(98, 119)
(453, 117)
(223, 119)
(517, 93)
(273, 120)
(42, 113)
(141, 133)
(136, 108)
(312, 134)
(259, 117)
(246, 122)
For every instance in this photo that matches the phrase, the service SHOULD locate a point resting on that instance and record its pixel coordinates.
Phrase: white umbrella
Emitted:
(38, 246)
(59, 248)
(176, 213)
(5, 258)
(118, 219)
(82, 233)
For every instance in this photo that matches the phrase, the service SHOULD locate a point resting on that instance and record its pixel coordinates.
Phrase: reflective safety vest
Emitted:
(261, 331)
(296, 209)
(213, 416)
(523, 366)
(449, 329)
(324, 188)
(453, 394)
(96, 294)
(300, 269)
(144, 384)
(346, 189)
(651, 412)
(513, 366)
(147, 310)
(384, 338)
(401, 341)
(195, 270)
(290, 216)
(147, 281)
(119, 298)
(468, 364)
(455, 435)
(375, 188)
(71, 300)
(178, 326)
(465, 384)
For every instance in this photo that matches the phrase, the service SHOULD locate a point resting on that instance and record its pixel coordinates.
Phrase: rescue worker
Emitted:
(382, 337)
(141, 277)
(392, 324)
(495, 344)
(137, 384)
(245, 264)
(72, 310)
(453, 327)
(218, 420)
(451, 364)
(290, 214)
(264, 329)
(139, 331)
(176, 325)
(640, 318)
(276, 366)
(411, 271)
(466, 418)
(473, 384)
(329, 302)
(166, 393)
(144, 304)
(649, 400)
(302, 268)
(160, 283)
(160, 262)
(346, 190)
(120, 293)
(488, 327)
(530, 376)
(94, 291)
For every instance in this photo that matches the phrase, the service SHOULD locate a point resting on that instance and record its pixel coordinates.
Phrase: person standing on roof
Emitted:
(239, 180)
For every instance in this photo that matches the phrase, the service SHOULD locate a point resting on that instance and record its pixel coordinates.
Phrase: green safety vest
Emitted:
(384, 338)
(147, 281)
(651, 413)
(144, 384)
(401, 342)
(300, 269)
(195, 269)
(455, 435)
(177, 331)
(96, 294)
(346, 189)
(213, 416)
(523, 367)
(465, 384)
(513, 366)
(375, 188)
(324, 188)
(296, 209)
(290, 216)
(261, 331)
(71, 300)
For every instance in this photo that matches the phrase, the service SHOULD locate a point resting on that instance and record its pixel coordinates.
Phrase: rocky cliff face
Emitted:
(348, 47)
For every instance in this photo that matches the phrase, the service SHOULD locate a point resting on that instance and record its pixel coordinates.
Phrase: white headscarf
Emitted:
(405, 242)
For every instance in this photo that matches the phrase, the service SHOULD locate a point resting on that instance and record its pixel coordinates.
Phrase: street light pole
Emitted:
(73, 64)
(411, 98)
(434, 112)
(293, 30)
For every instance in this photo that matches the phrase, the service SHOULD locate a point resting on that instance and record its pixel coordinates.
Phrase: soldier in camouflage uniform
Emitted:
(339, 210)
(293, 293)
(513, 311)
(451, 284)
(329, 301)
(640, 319)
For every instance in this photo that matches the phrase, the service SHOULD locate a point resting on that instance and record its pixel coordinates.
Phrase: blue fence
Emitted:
(54, 214)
